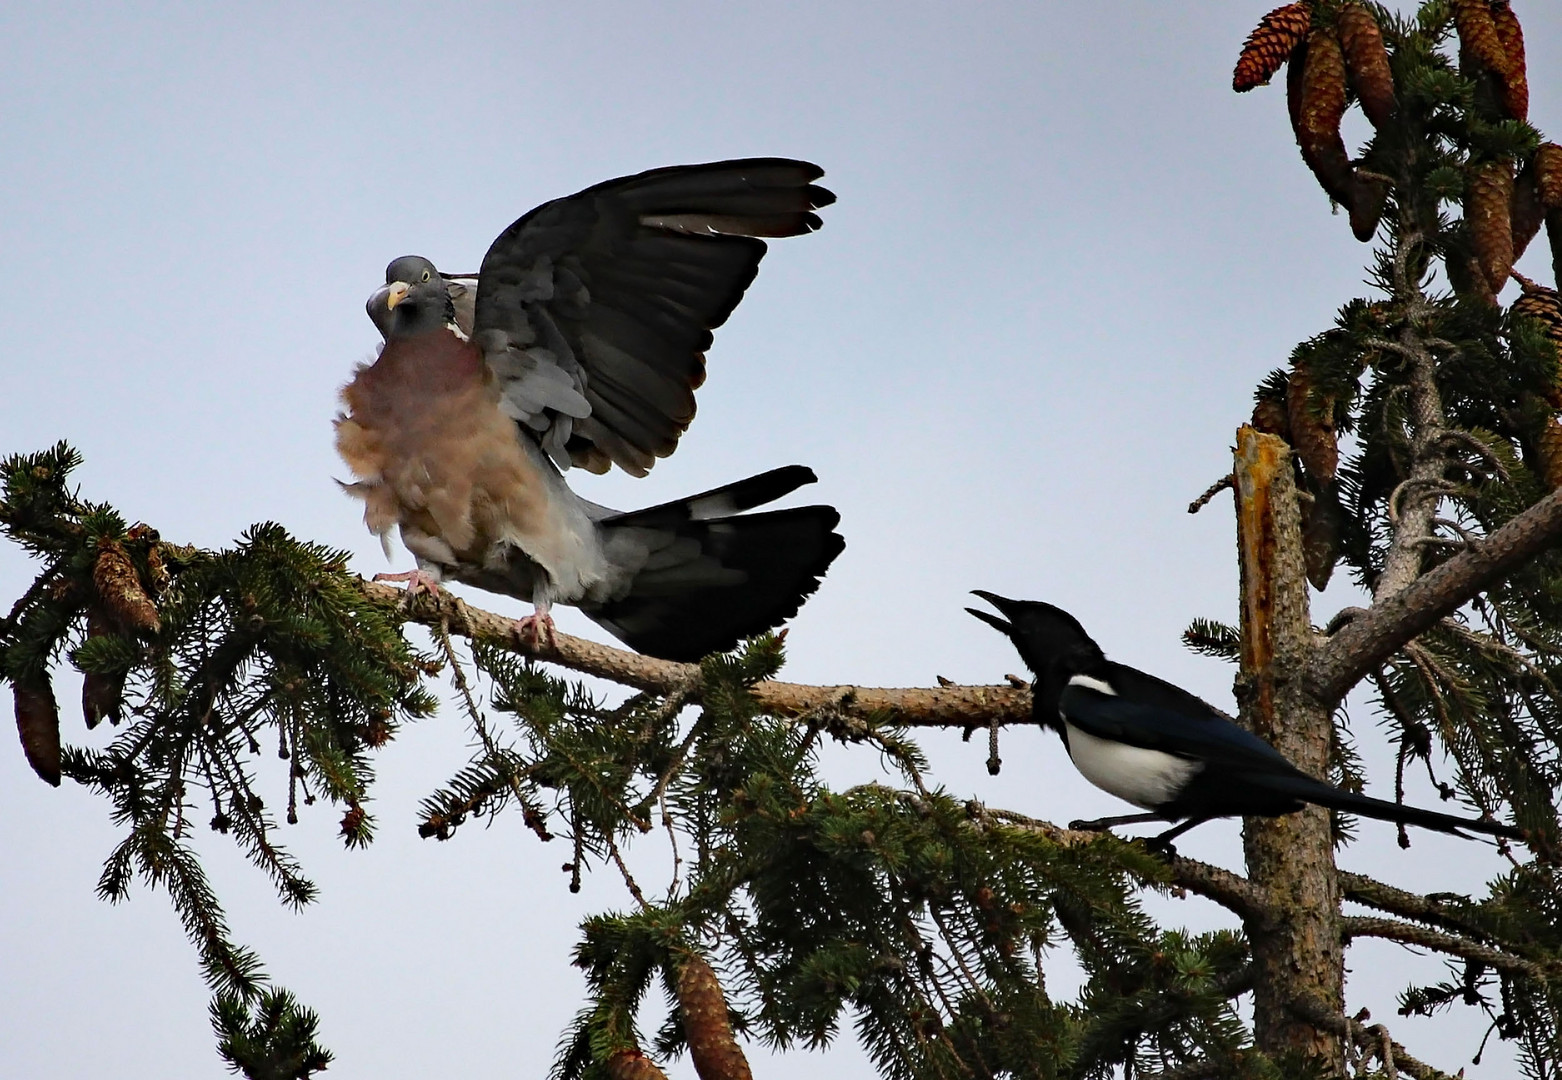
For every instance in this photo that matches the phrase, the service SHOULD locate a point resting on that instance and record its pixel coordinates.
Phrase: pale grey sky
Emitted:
(1063, 255)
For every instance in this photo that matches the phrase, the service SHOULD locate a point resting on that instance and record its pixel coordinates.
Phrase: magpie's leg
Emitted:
(1102, 824)
(1163, 842)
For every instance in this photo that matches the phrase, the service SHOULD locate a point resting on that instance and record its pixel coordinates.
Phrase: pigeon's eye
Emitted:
(425, 275)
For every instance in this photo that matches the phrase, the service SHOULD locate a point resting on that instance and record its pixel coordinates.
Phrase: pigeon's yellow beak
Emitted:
(396, 292)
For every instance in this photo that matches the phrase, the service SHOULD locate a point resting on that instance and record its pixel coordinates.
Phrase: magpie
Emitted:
(1160, 748)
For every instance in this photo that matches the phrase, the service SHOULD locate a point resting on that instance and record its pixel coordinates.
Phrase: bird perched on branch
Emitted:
(580, 342)
(1160, 748)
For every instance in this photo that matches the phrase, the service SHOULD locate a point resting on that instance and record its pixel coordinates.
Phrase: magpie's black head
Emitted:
(1050, 641)
(1043, 634)
(414, 299)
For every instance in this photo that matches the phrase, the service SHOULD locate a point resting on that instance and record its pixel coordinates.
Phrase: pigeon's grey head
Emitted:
(414, 299)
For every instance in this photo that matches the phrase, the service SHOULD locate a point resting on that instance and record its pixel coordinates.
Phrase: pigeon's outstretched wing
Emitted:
(594, 311)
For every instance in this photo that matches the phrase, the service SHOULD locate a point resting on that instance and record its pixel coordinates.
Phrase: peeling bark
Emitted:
(1296, 944)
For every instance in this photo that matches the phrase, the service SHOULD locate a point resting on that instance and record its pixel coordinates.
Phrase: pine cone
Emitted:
(1525, 210)
(1544, 306)
(1323, 521)
(1366, 61)
(1488, 196)
(1478, 34)
(633, 1065)
(1311, 418)
(1270, 45)
(1548, 175)
(716, 1053)
(1269, 417)
(1549, 447)
(1513, 77)
(38, 724)
(1554, 234)
(1366, 207)
(102, 696)
(120, 589)
(1318, 117)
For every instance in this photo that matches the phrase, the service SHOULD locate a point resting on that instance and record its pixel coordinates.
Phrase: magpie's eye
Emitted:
(425, 275)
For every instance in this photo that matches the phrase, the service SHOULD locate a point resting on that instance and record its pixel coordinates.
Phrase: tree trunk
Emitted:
(1296, 947)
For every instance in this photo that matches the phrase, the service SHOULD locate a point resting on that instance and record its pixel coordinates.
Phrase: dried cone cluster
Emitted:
(38, 724)
(119, 589)
(1490, 37)
(1310, 417)
(1488, 199)
(1270, 45)
(1324, 62)
(716, 1053)
(633, 1065)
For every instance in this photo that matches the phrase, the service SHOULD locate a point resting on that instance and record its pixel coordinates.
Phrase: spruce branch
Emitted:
(1355, 926)
(1372, 1039)
(951, 706)
(1394, 620)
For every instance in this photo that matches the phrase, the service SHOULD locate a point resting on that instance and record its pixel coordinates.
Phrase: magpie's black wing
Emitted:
(1155, 715)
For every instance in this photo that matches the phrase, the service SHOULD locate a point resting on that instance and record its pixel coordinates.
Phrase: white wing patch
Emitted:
(1147, 778)
(1089, 682)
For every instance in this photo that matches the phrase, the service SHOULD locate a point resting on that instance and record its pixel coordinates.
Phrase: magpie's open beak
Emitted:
(999, 602)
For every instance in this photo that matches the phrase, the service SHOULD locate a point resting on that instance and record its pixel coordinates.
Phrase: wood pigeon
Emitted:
(1157, 746)
(580, 342)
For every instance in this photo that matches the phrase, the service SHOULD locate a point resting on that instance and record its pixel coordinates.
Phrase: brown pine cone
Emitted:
(1545, 307)
(38, 724)
(1513, 77)
(716, 1053)
(1318, 117)
(1366, 207)
(1525, 210)
(633, 1065)
(1488, 198)
(1366, 62)
(1311, 419)
(120, 589)
(102, 696)
(1270, 45)
(1548, 175)
(1554, 234)
(1269, 417)
(1549, 447)
(1478, 35)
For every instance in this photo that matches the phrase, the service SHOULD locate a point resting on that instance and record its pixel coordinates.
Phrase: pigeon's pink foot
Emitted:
(536, 630)
(416, 581)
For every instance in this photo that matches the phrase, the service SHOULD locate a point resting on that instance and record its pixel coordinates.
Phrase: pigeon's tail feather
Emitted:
(708, 575)
(1314, 791)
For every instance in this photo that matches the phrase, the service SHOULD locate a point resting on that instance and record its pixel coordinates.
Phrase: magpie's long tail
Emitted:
(1307, 789)
(708, 575)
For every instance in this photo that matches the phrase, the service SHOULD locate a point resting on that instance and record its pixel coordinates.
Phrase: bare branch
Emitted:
(1373, 637)
(1210, 492)
(952, 706)
(1352, 926)
(1372, 1039)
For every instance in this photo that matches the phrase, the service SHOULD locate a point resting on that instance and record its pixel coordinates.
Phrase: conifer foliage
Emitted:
(1421, 454)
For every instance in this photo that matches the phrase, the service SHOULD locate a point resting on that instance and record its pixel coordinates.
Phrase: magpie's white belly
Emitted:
(1147, 778)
